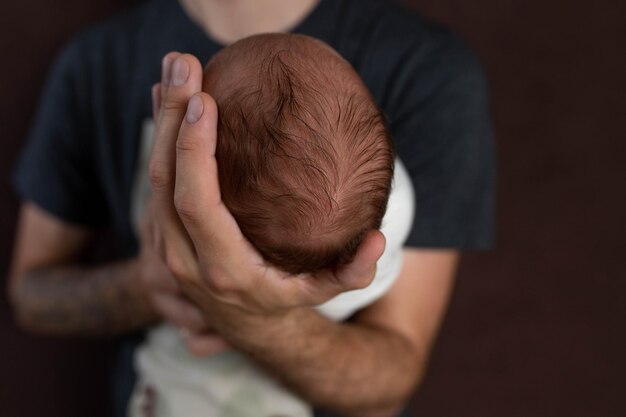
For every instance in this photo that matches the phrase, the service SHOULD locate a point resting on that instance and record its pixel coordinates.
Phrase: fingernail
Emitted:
(166, 70)
(180, 72)
(194, 110)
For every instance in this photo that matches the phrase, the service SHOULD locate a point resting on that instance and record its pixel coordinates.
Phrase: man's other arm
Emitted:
(51, 293)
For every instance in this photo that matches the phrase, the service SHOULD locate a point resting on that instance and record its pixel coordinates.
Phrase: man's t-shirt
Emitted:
(81, 161)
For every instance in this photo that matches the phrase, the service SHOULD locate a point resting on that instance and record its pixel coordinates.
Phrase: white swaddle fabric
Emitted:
(396, 226)
(174, 383)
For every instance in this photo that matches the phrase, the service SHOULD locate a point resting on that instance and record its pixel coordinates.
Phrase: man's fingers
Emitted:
(313, 289)
(197, 197)
(166, 67)
(205, 343)
(179, 312)
(156, 101)
(181, 78)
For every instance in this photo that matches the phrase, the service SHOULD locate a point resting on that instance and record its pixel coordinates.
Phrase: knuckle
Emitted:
(187, 143)
(176, 265)
(174, 102)
(160, 176)
(221, 285)
(172, 106)
(323, 295)
(216, 286)
(320, 298)
(187, 206)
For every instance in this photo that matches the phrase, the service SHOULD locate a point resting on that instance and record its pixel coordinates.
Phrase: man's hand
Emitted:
(168, 302)
(197, 236)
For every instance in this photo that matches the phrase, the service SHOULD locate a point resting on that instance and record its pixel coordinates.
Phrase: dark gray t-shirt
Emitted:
(81, 159)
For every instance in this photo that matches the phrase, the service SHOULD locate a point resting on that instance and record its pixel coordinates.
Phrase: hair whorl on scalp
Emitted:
(304, 157)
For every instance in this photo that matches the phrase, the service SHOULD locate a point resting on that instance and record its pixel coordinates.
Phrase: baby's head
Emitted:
(304, 158)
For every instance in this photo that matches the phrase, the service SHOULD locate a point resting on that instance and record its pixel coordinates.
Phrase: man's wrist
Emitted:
(73, 300)
(302, 349)
(138, 290)
(259, 333)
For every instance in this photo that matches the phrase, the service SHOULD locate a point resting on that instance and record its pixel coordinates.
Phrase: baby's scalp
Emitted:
(304, 157)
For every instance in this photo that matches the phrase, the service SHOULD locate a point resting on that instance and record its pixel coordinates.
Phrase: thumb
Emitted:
(361, 271)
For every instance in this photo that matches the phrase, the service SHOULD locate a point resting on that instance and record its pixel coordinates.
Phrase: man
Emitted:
(213, 282)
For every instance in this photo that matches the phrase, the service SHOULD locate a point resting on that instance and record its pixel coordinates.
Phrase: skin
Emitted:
(51, 293)
(213, 284)
(229, 20)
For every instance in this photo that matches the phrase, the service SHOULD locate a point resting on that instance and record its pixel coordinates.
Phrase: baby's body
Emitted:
(172, 382)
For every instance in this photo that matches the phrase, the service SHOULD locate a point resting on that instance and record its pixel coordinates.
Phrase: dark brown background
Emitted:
(536, 327)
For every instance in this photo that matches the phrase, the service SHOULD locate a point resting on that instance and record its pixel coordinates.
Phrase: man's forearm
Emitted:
(351, 368)
(72, 300)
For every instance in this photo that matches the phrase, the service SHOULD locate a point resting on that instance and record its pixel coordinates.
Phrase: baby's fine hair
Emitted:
(304, 157)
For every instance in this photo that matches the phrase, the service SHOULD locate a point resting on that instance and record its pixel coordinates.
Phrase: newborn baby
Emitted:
(305, 162)
(305, 166)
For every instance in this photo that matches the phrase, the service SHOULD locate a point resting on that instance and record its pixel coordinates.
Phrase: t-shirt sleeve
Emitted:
(57, 169)
(439, 117)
